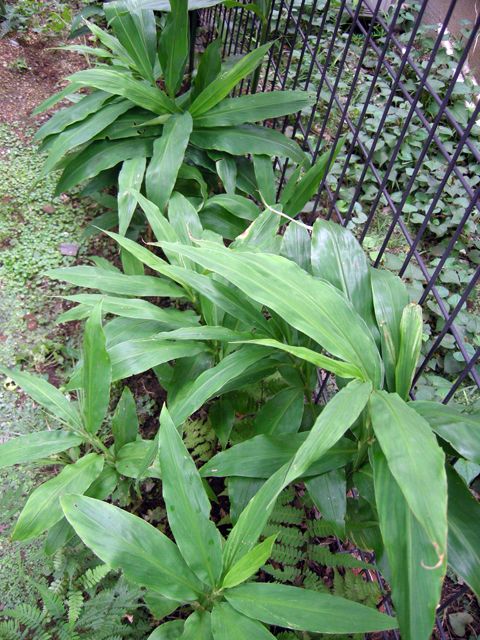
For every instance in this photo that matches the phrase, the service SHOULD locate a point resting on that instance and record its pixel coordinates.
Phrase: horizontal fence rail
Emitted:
(407, 182)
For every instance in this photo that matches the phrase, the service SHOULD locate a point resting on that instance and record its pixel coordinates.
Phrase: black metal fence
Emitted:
(408, 178)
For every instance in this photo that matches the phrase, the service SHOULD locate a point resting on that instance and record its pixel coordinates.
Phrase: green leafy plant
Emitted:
(202, 572)
(82, 444)
(362, 319)
(148, 125)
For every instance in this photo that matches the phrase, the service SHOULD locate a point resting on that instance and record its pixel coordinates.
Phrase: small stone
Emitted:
(31, 321)
(69, 249)
(48, 208)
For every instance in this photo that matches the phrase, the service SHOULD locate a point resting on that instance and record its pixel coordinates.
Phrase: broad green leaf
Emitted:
(121, 329)
(461, 430)
(116, 282)
(188, 506)
(136, 308)
(295, 608)
(125, 420)
(96, 372)
(136, 356)
(172, 630)
(235, 204)
(240, 492)
(133, 460)
(184, 219)
(173, 46)
(253, 108)
(339, 414)
(222, 418)
(281, 414)
(249, 564)
(58, 536)
(202, 332)
(415, 460)
(198, 626)
(337, 367)
(46, 395)
(338, 258)
(124, 541)
(34, 446)
(136, 31)
(390, 297)
(226, 297)
(111, 42)
(411, 330)
(209, 67)
(54, 98)
(168, 155)
(335, 419)
(209, 383)
(253, 519)
(416, 576)
(221, 86)
(124, 84)
(318, 309)
(243, 140)
(99, 156)
(63, 118)
(265, 177)
(161, 227)
(227, 172)
(329, 494)
(296, 246)
(42, 509)
(307, 186)
(228, 623)
(130, 179)
(463, 531)
(261, 456)
(159, 605)
(82, 132)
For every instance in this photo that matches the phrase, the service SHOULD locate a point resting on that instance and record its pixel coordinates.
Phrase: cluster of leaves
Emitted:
(449, 210)
(235, 313)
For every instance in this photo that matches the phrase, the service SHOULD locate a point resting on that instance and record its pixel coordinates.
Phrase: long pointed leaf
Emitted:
(318, 309)
(168, 155)
(188, 506)
(42, 509)
(122, 540)
(130, 179)
(415, 460)
(254, 108)
(35, 446)
(416, 578)
(226, 81)
(97, 372)
(306, 610)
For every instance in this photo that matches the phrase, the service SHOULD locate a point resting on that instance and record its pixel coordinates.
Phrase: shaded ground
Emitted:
(32, 225)
(29, 73)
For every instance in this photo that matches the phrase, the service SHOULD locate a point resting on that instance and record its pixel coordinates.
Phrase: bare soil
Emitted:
(30, 71)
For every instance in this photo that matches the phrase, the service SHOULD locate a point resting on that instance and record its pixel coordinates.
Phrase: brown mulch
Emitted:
(30, 71)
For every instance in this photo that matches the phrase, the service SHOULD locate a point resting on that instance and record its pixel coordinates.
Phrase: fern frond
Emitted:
(74, 605)
(10, 630)
(28, 615)
(199, 439)
(323, 555)
(93, 576)
(52, 602)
